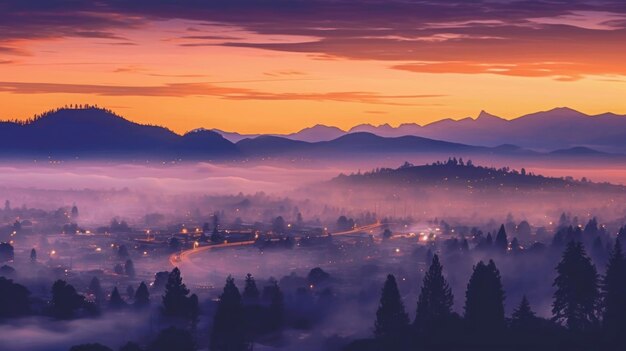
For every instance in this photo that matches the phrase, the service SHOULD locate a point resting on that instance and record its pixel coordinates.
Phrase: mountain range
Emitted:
(93, 132)
(559, 128)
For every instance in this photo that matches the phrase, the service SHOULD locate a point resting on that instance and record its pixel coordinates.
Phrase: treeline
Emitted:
(238, 319)
(588, 311)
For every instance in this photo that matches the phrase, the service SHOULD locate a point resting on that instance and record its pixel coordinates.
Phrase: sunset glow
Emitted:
(280, 67)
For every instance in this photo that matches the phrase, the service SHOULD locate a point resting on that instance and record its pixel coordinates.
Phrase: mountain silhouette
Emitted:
(93, 132)
(555, 129)
(355, 144)
(98, 133)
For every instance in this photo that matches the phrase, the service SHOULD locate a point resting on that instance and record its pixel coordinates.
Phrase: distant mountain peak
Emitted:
(484, 115)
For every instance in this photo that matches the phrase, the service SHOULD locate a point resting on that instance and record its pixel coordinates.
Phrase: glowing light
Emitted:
(53, 252)
(98, 249)
(397, 250)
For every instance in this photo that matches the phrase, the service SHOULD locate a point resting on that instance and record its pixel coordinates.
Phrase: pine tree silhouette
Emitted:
(392, 320)
(484, 298)
(142, 296)
(523, 317)
(175, 302)
(228, 333)
(250, 292)
(116, 302)
(614, 298)
(577, 296)
(501, 243)
(435, 301)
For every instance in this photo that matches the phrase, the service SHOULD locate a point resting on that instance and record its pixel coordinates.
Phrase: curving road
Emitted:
(184, 256)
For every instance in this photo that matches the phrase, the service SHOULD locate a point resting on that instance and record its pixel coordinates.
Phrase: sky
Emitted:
(260, 66)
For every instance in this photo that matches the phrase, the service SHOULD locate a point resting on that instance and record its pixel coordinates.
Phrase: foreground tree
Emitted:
(65, 300)
(275, 311)
(434, 305)
(13, 299)
(523, 318)
(484, 298)
(250, 292)
(173, 339)
(228, 333)
(175, 300)
(614, 298)
(392, 320)
(577, 296)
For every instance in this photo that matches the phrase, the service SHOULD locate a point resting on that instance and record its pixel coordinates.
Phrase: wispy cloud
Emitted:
(590, 34)
(208, 89)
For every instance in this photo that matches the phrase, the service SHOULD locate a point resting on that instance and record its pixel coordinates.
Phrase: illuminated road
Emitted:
(184, 257)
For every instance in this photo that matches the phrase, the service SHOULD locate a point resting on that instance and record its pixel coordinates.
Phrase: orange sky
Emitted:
(185, 73)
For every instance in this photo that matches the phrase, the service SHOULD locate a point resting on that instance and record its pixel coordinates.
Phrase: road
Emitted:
(184, 256)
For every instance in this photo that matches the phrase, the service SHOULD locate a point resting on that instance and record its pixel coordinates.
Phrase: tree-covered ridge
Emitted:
(456, 172)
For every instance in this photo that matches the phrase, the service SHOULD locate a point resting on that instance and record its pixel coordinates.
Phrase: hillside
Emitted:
(94, 132)
(453, 174)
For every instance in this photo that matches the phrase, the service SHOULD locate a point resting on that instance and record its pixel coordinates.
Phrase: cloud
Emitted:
(207, 89)
(590, 34)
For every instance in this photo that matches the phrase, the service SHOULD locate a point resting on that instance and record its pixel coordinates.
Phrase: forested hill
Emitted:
(457, 173)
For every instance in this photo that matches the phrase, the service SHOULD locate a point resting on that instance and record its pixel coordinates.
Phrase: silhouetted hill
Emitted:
(368, 142)
(353, 144)
(579, 151)
(95, 132)
(269, 145)
(453, 174)
(317, 133)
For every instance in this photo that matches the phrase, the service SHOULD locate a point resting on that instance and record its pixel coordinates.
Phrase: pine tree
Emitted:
(484, 298)
(434, 304)
(116, 301)
(501, 243)
(577, 296)
(614, 297)
(523, 318)
(250, 292)
(142, 296)
(276, 307)
(175, 302)
(391, 319)
(33, 255)
(228, 332)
